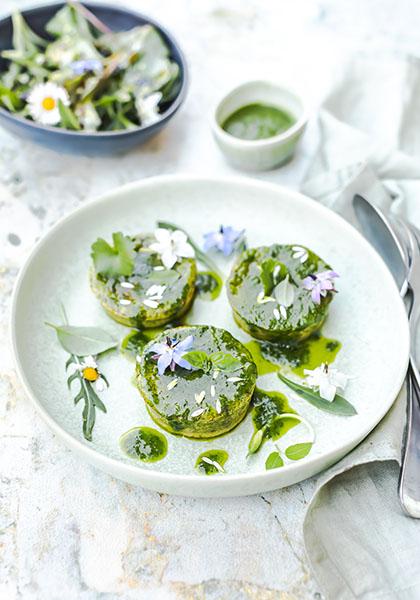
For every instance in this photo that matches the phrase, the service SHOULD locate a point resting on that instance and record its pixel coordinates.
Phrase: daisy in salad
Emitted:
(43, 103)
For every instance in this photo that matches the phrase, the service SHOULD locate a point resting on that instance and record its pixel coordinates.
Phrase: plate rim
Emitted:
(128, 471)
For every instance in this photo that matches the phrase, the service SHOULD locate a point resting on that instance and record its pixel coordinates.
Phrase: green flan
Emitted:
(129, 299)
(251, 289)
(198, 403)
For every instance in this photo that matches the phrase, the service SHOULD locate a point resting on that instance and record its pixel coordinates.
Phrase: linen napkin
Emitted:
(358, 542)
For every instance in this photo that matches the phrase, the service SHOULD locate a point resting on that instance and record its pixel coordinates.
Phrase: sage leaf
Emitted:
(274, 461)
(256, 441)
(83, 341)
(298, 451)
(115, 260)
(339, 406)
(225, 361)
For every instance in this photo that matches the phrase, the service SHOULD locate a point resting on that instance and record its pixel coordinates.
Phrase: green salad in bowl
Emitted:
(87, 69)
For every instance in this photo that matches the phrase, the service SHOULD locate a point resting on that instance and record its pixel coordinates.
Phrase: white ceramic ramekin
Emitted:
(259, 155)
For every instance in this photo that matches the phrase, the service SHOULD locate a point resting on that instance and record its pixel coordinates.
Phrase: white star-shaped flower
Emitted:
(327, 380)
(171, 246)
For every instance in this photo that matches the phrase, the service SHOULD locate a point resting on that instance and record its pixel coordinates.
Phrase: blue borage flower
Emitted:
(170, 354)
(89, 65)
(319, 284)
(225, 240)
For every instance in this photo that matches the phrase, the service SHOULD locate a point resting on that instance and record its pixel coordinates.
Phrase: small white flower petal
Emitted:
(234, 379)
(218, 406)
(200, 397)
(198, 412)
(89, 361)
(327, 390)
(172, 384)
(150, 303)
(276, 314)
(127, 285)
(125, 302)
(100, 384)
(212, 391)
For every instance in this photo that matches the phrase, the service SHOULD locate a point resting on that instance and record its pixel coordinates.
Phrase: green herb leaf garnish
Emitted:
(272, 271)
(224, 361)
(116, 260)
(274, 461)
(298, 451)
(198, 359)
(83, 341)
(256, 441)
(339, 406)
(68, 118)
(90, 397)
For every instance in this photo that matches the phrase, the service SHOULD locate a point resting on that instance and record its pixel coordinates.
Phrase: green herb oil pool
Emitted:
(258, 122)
(144, 443)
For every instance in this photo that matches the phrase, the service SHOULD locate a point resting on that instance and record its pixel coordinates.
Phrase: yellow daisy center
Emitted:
(48, 103)
(90, 374)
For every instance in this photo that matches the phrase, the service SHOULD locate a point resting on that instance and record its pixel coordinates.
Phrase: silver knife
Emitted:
(400, 250)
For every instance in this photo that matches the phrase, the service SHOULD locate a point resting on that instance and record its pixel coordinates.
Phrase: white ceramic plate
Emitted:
(367, 316)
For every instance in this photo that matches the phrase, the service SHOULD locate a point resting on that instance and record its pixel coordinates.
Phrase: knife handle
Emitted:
(409, 483)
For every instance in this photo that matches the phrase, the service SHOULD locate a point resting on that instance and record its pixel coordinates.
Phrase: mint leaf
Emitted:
(224, 361)
(114, 260)
(339, 406)
(298, 451)
(197, 359)
(274, 461)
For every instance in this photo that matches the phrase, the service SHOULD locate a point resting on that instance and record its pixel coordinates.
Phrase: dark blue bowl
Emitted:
(103, 142)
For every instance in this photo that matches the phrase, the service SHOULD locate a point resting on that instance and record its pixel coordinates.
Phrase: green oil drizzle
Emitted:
(208, 285)
(307, 354)
(144, 443)
(218, 456)
(267, 408)
(257, 122)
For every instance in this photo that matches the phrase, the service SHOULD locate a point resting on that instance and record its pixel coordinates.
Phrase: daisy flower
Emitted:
(171, 246)
(90, 372)
(43, 102)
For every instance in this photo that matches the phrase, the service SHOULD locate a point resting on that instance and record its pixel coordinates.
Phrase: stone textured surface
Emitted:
(66, 530)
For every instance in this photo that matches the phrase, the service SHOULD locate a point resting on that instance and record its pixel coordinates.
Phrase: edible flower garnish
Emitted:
(90, 372)
(89, 65)
(284, 292)
(327, 380)
(148, 108)
(171, 246)
(225, 240)
(320, 284)
(154, 295)
(300, 253)
(170, 354)
(43, 103)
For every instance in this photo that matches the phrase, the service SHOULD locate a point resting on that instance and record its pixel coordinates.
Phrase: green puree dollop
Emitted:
(144, 443)
(257, 122)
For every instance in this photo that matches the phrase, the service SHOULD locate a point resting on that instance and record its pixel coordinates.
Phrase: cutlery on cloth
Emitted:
(399, 247)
